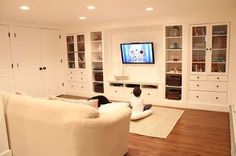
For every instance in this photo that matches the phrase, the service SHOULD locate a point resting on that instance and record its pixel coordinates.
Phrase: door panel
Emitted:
(6, 74)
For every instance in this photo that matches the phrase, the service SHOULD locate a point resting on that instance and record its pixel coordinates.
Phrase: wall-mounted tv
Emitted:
(137, 53)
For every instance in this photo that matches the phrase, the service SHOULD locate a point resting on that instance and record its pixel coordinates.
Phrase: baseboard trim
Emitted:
(6, 153)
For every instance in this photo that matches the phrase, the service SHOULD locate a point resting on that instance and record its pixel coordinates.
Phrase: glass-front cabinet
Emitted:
(76, 51)
(209, 48)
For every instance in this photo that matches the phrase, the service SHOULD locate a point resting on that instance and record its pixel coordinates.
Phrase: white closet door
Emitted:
(51, 55)
(27, 60)
(6, 74)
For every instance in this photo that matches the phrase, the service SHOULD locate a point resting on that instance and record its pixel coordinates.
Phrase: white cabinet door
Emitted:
(27, 60)
(6, 74)
(51, 62)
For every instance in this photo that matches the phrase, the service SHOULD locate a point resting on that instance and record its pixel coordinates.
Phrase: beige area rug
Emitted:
(158, 124)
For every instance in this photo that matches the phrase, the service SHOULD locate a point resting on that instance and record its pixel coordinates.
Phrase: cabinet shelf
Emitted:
(174, 37)
(96, 41)
(172, 73)
(173, 61)
(177, 49)
(173, 86)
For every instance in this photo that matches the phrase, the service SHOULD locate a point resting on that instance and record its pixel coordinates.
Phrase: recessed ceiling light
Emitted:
(82, 18)
(149, 9)
(24, 7)
(91, 7)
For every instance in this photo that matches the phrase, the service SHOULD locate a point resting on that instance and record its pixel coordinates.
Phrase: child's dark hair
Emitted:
(137, 91)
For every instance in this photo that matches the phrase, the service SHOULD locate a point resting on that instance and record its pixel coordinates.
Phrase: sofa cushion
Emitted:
(48, 110)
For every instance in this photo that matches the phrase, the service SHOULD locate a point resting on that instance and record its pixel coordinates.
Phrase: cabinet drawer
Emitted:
(128, 92)
(149, 93)
(117, 91)
(217, 78)
(77, 87)
(208, 97)
(77, 77)
(198, 77)
(208, 86)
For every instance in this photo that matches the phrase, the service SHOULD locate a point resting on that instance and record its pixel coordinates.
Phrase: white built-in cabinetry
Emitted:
(96, 40)
(209, 61)
(174, 52)
(77, 76)
(33, 56)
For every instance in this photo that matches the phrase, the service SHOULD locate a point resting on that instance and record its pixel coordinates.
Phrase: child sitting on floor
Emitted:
(137, 101)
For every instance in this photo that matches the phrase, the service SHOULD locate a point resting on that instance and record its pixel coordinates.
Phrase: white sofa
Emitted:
(38, 127)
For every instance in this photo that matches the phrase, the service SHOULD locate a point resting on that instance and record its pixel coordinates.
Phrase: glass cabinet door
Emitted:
(70, 51)
(219, 48)
(81, 51)
(199, 48)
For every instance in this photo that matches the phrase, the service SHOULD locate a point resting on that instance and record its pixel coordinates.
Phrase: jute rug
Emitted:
(159, 124)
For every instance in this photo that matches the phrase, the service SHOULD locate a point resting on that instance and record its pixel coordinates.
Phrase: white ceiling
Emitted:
(67, 12)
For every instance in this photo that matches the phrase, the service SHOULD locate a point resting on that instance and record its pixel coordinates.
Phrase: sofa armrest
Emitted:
(103, 136)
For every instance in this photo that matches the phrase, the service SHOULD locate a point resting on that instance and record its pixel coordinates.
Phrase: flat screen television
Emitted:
(137, 53)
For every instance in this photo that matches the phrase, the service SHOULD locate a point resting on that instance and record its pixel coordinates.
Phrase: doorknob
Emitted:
(44, 68)
(40, 68)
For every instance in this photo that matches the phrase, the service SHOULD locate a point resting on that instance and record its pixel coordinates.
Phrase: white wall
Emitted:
(137, 72)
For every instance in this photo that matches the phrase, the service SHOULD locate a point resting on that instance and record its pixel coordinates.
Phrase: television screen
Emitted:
(137, 53)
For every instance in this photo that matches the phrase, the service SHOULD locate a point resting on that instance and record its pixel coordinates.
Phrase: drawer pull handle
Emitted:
(198, 77)
(72, 86)
(116, 91)
(198, 85)
(218, 78)
(82, 87)
(217, 86)
(148, 93)
(217, 98)
(197, 96)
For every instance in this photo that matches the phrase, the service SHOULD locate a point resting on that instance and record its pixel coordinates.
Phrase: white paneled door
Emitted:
(51, 62)
(6, 73)
(27, 60)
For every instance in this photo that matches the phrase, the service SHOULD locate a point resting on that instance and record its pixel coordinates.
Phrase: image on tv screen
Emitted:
(137, 53)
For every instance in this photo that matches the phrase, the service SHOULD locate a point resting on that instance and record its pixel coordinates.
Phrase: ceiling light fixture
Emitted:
(82, 18)
(24, 7)
(91, 7)
(149, 9)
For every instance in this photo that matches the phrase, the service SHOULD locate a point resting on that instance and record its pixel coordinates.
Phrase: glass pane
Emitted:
(70, 47)
(218, 55)
(219, 42)
(81, 65)
(199, 56)
(80, 46)
(198, 67)
(80, 38)
(71, 57)
(174, 31)
(218, 67)
(70, 39)
(71, 64)
(219, 30)
(199, 31)
(81, 57)
(199, 43)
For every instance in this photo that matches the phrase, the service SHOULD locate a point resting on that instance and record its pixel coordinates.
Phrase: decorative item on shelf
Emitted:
(175, 31)
(100, 58)
(176, 69)
(175, 58)
(175, 45)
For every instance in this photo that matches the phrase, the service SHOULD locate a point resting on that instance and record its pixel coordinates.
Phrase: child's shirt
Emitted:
(137, 104)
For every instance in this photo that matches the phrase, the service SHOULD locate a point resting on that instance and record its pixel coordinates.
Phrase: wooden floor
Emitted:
(197, 133)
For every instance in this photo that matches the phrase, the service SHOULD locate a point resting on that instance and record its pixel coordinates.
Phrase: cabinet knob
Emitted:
(198, 85)
(40, 68)
(206, 48)
(197, 77)
(210, 49)
(71, 78)
(82, 87)
(217, 98)
(72, 86)
(217, 78)
(217, 86)
(148, 93)
(44, 68)
(116, 91)
(197, 96)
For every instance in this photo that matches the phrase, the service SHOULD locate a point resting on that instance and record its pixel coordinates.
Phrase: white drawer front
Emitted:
(71, 86)
(82, 87)
(207, 97)
(198, 77)
(217, 78)
(149, 93)
(208, 86)
(77, 77)
(128, 92)
(117, 91)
